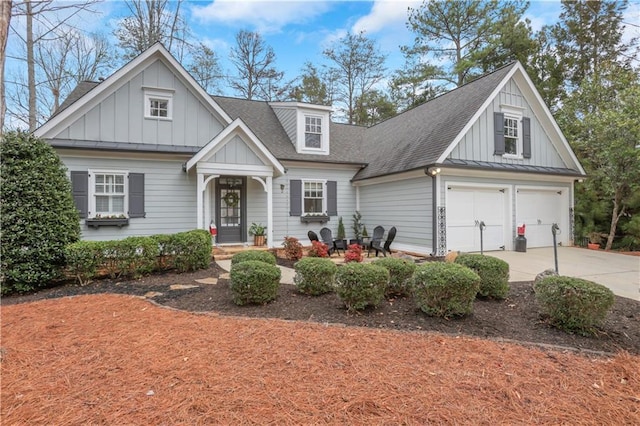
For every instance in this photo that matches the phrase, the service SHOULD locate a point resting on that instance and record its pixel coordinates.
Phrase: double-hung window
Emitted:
(512, 135)
(314, 197)
(313, 132)
(108, 193)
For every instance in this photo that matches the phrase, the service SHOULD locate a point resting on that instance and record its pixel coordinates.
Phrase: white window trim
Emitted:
(321, 118)
(514, 113)
(164, 95)
(91, 214)
(323, 182)
(301, 127)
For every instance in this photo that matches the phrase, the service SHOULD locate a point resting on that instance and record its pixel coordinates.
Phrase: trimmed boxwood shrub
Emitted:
(445, 289)
(259, 255)
(573, 304)
(315, 275)
(193, 250)
(254, 281)
(359, 285)
(38, 217)
(493, 273)
(83, 259)
(400, 274)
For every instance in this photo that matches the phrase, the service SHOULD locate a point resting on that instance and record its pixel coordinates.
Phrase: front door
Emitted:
(231, 211)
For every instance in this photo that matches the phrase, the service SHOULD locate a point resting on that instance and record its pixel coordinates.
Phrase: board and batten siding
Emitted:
(511, 185)
(170, 196)
(121, 116)
(236, 151)
(256, 205)
(405, 204)
(288, 118)
(478, 143)
(285, 225)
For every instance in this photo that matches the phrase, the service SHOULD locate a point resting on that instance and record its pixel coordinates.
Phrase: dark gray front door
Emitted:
(231, 210)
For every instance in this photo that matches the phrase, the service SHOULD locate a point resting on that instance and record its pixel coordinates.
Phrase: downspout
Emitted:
(433, 172)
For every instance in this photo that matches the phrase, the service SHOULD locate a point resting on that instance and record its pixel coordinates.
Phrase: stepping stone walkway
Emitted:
(182, 286)
(210, 281)
(152, 294)
(224, 276)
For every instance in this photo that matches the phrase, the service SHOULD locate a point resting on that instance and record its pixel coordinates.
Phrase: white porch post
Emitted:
(200, 201)
(207, 205)
(269, 212)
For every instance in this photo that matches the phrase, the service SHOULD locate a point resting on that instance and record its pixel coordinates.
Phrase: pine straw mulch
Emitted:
(119, 359)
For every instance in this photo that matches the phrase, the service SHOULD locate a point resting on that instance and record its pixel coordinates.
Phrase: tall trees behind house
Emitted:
(358, 66)
(5, 19)
(464, 38)
(39, 30)
(256, 76)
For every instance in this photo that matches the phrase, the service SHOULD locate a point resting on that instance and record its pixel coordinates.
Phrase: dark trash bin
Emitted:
(521, 244)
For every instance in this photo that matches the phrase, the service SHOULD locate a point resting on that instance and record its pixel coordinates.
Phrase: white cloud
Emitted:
(385, 14)
(263, 16)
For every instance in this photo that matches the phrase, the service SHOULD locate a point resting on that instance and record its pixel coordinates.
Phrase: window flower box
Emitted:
(98, 222)
(314, 218)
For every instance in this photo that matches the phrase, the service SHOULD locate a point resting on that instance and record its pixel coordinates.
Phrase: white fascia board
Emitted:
(242, 169)
(417, 173)
(300, 105)
(506, 176)
(96, 95)
(476, 116)
(237, 126)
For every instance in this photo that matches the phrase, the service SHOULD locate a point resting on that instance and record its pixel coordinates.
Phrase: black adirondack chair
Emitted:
(327, 237)
(384, 248)
(376, 238)
(312, 236)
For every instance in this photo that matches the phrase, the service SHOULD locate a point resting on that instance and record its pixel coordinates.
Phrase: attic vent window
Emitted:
(158, 104)
(313, 132)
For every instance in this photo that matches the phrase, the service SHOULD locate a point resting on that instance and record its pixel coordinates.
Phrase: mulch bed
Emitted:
(104, 358)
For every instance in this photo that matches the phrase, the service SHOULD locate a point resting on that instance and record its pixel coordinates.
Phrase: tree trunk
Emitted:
(5, 19)
(615, 216)
(31, 68)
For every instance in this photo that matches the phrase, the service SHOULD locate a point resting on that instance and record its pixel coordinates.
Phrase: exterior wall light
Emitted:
(433, 171)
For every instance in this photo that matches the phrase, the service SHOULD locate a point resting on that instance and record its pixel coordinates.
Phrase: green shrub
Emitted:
(254, 281)
(38, 218)
(83, 258)
(193, 250)
(445, 289)
(315, 275)
(259, 255)
(400, 273)
(573, 304)
(493, 273)
(359, 285)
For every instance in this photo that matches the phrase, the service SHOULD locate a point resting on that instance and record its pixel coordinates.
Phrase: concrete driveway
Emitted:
(619, 272)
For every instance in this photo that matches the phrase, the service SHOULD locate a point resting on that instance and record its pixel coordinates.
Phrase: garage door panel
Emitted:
(539, 209)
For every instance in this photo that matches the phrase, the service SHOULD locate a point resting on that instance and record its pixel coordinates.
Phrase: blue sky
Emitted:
(299, 30)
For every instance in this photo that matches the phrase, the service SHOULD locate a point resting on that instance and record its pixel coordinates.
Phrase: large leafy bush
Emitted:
(254, 281)
(258, 255)
(315, 275)
(359, 285)
(38, 216)
(445, 289)
(493, 273)
(573, 304)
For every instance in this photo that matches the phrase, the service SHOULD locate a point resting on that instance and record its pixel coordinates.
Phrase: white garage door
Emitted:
(466, 208)
(539, 209)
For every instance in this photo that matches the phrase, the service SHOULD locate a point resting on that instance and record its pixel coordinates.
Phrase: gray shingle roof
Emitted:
(417, 137)
(79, 91)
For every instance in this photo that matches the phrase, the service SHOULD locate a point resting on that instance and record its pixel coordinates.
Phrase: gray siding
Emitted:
(120, 117)
(478, 145)
(288, 119)
(407, 205)
(236, 152)
(170, 196)
(256, 205)
(285, 225)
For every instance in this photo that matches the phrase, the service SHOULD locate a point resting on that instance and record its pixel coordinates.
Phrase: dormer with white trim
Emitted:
(307, 125)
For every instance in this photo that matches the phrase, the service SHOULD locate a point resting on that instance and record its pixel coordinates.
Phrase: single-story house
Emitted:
(149, 151)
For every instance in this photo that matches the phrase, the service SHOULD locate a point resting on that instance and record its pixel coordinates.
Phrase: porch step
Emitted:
(227, 251)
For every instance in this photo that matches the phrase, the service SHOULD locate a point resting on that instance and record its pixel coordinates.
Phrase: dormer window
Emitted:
(158, 104)
(313, 132)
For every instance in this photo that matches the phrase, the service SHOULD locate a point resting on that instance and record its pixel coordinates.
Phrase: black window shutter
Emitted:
(526, 137)
(332, 198)
(498, 132)
(136, 195)
(295, 198)
(80, 191)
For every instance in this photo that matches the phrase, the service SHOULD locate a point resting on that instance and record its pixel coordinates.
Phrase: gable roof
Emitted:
(81, 100)
(417, 137)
